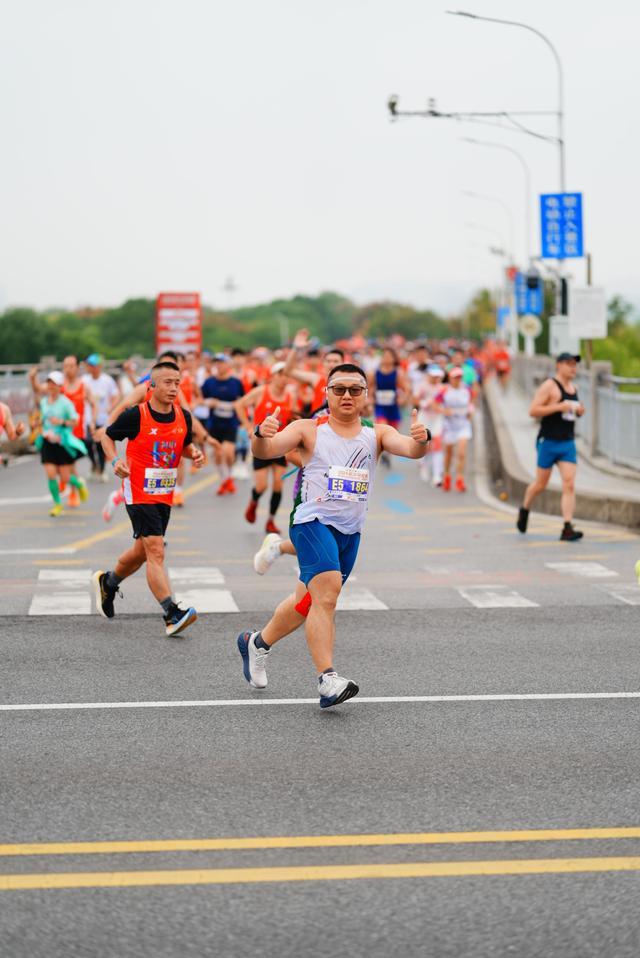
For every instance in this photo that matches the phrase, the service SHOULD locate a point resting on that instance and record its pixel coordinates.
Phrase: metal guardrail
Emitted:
(611, 423)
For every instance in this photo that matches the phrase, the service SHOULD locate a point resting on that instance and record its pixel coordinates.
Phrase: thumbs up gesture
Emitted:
(270, 426)
(419, 432)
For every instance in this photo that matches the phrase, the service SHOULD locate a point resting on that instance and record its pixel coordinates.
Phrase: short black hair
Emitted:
(173, 366)
(347, 368)
(335, 349)
(237, 351)
(170, 353)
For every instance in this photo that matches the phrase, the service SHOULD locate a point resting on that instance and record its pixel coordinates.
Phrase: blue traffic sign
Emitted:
(502, 321)
(527, 300)
(561, 225)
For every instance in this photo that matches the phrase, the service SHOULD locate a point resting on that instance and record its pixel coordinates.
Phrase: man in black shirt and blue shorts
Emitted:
(557, 406)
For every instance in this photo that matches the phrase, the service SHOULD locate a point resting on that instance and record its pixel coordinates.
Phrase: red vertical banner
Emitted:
(178, 322)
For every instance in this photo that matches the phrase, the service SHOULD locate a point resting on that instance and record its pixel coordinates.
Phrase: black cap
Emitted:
(567, 357)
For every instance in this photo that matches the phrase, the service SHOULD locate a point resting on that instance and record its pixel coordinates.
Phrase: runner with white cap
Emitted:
(431, 466)
(454, 401)
(58, 446)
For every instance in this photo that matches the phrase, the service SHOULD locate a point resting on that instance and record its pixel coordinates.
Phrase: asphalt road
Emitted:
(435, 814)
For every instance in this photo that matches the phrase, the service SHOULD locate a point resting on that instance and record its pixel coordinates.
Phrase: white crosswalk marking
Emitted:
(352, 599)
(630, 594)
(62, 592)
(207, 596)
(495, 597)
(591, 570)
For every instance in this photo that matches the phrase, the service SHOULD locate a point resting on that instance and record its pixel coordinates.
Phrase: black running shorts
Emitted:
(223, 430)
(53, 453)
(265, 463)
(149, 519)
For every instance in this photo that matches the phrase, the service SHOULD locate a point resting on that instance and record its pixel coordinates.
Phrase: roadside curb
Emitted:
(506, 473)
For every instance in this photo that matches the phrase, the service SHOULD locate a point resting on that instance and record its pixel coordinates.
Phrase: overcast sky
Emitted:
(152, 145)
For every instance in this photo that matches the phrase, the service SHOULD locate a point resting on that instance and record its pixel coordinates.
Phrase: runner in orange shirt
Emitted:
(159, 434)
(275, 394)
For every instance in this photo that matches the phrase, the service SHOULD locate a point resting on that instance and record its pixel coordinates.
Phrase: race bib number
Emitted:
(223, 410)
(386, 397)
(159, 482)
(351, 485)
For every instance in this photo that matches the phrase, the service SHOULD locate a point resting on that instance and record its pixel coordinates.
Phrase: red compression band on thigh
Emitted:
(304, 604)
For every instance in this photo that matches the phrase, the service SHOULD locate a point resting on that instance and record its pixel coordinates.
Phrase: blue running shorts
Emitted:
(322, 548)
(551, 451)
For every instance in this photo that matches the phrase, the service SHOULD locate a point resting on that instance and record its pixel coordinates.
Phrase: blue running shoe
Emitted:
(334, 689)
(254, 660)
(177, 620)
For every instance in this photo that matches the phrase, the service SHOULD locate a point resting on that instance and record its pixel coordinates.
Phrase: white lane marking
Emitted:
(592, 570)
(53, 596)
(65, 578)
(495, 597)
(625, 593)
(350, 600)
(25, 501)
(60, 551)
(207, 600)
(197, 575)
(361, 700)
(206, 597)
(60, 603)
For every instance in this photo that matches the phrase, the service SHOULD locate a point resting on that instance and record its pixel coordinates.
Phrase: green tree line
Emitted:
(26, 334)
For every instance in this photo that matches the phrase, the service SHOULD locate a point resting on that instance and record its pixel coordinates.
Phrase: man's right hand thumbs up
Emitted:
(270, 426)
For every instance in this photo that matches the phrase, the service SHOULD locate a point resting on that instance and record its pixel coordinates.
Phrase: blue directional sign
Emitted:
(561, 225)
(527, 300)
(502, 321)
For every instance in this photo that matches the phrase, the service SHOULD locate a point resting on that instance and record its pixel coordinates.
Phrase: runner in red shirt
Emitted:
(265, 399)
(159, 434)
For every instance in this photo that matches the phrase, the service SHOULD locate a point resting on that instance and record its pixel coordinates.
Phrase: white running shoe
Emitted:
(333, 689)
(254, 660)
(267, 554)
(111, 505)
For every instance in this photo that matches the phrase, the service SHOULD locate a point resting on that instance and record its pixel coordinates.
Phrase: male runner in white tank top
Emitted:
(339, 453)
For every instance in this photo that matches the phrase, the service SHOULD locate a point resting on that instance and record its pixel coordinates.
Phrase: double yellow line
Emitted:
(252, 875)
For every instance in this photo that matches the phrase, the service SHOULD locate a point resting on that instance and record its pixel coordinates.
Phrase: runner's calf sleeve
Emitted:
(303, 607)
(75, 481)
(54, 489)
(255, 495)
(276, 498)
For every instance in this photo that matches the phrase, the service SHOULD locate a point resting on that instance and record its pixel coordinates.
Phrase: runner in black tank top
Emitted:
(557, 406)
(559, 425)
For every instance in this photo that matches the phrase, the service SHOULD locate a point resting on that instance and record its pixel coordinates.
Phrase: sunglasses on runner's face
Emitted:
(354, 391)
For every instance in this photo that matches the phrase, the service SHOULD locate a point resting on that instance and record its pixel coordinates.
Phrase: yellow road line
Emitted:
(316, 841)
(49, 562)
(98, 536)
(233, 876)
(122, 526)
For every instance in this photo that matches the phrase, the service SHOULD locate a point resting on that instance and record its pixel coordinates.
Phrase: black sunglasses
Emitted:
(354, 391)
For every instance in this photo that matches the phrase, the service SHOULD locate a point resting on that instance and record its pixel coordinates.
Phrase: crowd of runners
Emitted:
(325, 416)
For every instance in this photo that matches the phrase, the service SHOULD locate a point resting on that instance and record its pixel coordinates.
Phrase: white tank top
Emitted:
(336, 482)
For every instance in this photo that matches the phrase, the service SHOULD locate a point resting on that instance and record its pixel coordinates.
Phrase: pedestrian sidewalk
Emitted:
(511, 438)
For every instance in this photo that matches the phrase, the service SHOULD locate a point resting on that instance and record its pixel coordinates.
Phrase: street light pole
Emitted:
(503, 205)
(547, 41)
(527, 187)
